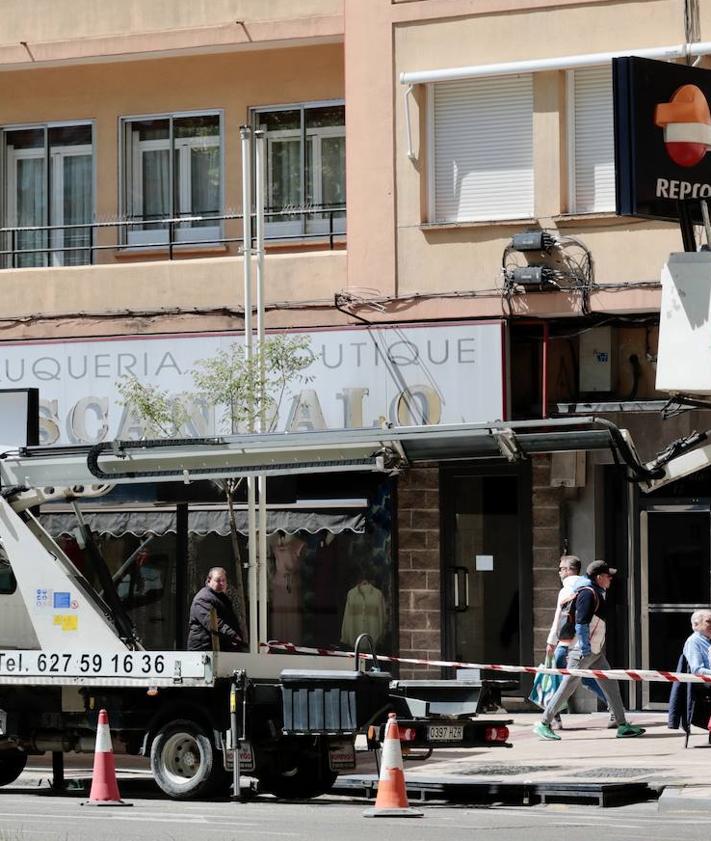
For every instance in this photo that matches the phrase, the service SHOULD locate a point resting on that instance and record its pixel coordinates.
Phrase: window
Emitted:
(306, 168)
(481, 142)
(172, 167)
(48, 182)
(591, 139)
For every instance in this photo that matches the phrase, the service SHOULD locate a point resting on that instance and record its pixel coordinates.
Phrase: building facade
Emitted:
(409, 144)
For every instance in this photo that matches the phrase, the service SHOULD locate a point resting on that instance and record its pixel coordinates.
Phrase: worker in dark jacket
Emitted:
(213, 596)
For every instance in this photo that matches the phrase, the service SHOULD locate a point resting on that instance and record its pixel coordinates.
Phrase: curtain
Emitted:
(205, 183)
(156, 186)
(77, 207)
(30, 210)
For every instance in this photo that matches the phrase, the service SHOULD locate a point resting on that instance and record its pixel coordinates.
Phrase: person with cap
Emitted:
(588, 652)
(557, 647)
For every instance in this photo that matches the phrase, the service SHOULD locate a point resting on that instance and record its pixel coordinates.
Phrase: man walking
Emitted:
(588, 652)
(570, 579)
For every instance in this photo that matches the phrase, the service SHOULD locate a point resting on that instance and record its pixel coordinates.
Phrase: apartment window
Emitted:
(481, 142)
(49, 185)
(306, 168)
(172, 168)
(592, 140)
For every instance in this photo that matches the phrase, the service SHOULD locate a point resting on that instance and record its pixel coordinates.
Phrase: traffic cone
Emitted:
(391, 801)
(104, 787)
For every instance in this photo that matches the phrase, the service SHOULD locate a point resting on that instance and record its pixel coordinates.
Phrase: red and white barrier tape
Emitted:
(599, 674)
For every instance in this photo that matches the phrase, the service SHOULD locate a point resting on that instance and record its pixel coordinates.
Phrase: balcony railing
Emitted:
(79, 244)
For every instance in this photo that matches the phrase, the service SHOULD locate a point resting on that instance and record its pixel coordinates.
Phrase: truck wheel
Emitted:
(307, 778)
(184, 760)
(12, 764)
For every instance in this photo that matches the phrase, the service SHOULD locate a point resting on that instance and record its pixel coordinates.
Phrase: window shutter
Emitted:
(483, 149)
(593, 141)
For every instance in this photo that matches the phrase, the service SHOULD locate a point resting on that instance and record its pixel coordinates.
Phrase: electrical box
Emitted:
(568, 469)
(597, 360)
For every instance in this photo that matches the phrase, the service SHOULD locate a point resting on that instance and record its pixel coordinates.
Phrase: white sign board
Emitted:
(684, 352)
(14, 408)
(359, 378)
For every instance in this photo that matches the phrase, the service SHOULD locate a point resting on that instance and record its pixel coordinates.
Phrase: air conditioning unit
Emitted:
(568, 469)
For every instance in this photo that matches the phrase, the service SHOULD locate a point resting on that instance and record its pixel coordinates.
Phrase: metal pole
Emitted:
(246, 136)
(237, 679)
(259, 144)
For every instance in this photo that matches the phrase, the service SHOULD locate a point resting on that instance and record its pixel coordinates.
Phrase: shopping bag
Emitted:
(544, 686)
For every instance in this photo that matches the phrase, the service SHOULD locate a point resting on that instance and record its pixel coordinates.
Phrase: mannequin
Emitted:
(286, 607)
(365, 612)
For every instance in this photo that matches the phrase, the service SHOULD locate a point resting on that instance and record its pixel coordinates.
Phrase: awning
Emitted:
(141, 523)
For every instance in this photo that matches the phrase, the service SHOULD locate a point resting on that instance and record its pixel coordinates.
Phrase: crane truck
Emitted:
(297, 715)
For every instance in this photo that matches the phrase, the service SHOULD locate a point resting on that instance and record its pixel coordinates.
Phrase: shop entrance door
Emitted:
(486, 567)
(675, 580)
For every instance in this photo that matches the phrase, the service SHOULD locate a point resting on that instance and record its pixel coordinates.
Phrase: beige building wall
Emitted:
(431, 259)
(103, 94)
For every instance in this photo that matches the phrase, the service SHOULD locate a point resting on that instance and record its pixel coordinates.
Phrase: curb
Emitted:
(688, 798)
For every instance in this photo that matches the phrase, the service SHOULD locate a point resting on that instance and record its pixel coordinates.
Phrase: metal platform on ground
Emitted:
(503, 792)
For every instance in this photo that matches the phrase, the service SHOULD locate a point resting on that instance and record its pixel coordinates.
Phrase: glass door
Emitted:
(675, 581)
(483, 567)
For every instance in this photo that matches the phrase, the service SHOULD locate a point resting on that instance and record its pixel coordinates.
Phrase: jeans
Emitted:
(560, 660)
(571, 682)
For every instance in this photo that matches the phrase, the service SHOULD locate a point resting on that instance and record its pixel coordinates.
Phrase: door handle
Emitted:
(460, 588)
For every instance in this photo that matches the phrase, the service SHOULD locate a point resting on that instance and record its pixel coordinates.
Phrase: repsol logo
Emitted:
(670, 188)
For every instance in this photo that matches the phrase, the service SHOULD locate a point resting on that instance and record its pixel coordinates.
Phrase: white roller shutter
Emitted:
(482, 141)
(593, 141)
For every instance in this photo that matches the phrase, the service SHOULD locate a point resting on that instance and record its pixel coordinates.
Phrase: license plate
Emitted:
(445, 732)
(341, 755)
(246, 757)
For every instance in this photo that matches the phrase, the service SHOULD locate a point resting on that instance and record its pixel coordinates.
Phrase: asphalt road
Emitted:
(27, 815)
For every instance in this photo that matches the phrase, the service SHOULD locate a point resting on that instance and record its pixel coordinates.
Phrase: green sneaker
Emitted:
(543, 731)
(629, 731)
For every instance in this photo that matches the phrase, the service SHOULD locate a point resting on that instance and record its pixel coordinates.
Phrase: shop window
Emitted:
(591, 140)
(326, 588)
(48, 184)
(172, 168)
(305, 168)
(481, 149)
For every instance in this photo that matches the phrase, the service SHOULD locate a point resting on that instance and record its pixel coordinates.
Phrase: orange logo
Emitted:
(687, 125)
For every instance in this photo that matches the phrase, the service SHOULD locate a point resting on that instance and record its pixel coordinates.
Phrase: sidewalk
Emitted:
(587, 754)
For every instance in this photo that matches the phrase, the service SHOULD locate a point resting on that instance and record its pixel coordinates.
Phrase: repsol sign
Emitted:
(662, 137)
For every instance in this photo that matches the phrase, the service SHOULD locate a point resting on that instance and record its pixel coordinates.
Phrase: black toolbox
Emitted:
(321, 701)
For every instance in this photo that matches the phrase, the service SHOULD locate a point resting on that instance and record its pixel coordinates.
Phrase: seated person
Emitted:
(213, 597)
(690, 703)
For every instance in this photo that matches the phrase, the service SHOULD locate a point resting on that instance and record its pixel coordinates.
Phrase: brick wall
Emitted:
(545, 515)
(419, 583)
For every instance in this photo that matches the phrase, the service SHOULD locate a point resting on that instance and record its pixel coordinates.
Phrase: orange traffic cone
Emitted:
(104, 787)
(391, 801)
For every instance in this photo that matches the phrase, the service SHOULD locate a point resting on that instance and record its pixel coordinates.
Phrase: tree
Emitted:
(250, 391)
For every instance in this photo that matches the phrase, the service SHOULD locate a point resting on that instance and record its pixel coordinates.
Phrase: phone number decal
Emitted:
(138, 664)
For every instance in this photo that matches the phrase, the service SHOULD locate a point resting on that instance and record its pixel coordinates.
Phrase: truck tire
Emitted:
(12, 764)
(184, 760)
(305, 779)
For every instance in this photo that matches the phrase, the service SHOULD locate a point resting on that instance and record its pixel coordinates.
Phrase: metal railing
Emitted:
(53, 249)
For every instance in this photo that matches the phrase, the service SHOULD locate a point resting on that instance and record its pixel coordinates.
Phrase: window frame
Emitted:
(53, 201)
(302, 226)
(571, 147)
(184, 233)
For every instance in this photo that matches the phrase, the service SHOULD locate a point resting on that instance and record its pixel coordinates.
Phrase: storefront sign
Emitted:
(359, 377)
(662, 137)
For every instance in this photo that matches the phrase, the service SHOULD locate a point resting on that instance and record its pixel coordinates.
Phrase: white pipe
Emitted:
(252, 570)
(259, 195)
(246, 135)
(252, 567)
(422, 77)
(408, 124)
